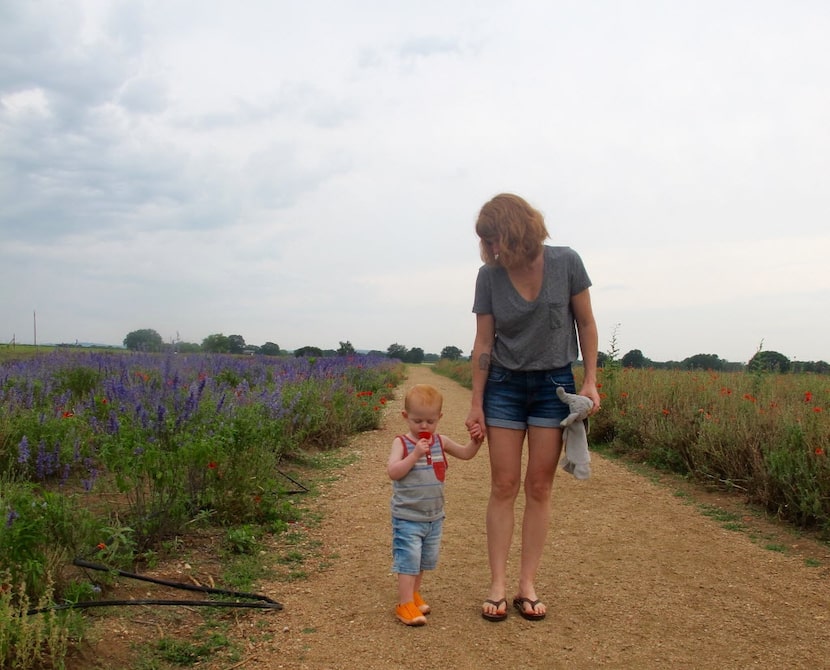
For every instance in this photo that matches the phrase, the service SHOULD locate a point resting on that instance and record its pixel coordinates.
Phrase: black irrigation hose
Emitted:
(177, 603)
(265, 601)
(302, 489)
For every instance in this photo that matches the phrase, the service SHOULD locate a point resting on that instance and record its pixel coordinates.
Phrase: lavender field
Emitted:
(107, 455)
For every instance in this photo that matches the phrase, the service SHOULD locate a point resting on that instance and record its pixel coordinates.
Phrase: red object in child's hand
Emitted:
(424, 435)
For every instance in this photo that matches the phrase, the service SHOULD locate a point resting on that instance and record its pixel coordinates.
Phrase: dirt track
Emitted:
(634, 577)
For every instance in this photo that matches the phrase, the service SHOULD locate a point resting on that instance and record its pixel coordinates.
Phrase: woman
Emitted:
(533, 315)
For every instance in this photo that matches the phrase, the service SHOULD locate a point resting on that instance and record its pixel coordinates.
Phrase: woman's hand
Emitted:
(475, 424)
(590, 391)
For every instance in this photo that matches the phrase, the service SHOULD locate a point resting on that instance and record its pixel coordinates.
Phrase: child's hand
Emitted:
(423, 447)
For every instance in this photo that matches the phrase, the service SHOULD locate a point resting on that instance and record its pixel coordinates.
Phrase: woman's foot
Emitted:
(494, 610)
(532, 610)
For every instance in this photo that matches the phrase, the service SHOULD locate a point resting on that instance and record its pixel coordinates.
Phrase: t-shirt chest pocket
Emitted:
(557, 314)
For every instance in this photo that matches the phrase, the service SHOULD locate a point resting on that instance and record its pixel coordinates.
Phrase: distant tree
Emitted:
(377, 353)
(397, 351)
(602, 359)
(308, 352)
(146, 339)
(703, 362)
(188, 347)
(415, 355)
(236, 344)
(345, 349)
(269, 349)
(431, 358)
(451, 353)
(216, 344)
(635, 359)
(817, 367)
(769, 361)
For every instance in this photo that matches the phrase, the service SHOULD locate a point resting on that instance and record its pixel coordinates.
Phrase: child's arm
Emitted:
(464, 452)
(398, 467)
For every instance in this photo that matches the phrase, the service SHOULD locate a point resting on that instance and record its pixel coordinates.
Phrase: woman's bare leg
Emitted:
(544, 449)
(505, 447)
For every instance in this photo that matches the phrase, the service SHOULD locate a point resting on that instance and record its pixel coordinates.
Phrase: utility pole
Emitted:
(34, 321)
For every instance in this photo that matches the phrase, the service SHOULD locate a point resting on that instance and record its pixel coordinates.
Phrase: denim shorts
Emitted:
(518, 399)
(415, 545)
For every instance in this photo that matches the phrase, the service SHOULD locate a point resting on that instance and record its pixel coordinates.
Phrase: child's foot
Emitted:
(420, 604)
(409, 614)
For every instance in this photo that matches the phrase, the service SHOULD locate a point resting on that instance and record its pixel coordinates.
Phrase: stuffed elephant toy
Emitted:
(577, 460)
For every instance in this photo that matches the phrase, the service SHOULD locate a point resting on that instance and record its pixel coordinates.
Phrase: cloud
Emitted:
(310, 173)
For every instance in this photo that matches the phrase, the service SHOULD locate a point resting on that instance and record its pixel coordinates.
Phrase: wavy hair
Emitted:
(518, 228)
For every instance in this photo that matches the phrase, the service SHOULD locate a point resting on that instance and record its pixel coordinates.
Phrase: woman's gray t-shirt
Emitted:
(540, 334)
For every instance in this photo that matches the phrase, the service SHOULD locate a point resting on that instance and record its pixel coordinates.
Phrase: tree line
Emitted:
(765, 361)
(149, 340)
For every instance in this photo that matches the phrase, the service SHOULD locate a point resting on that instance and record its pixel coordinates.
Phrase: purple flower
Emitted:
(23, 451)
(10, 517)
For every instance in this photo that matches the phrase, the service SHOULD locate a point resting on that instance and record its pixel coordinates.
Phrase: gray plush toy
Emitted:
(577, 460)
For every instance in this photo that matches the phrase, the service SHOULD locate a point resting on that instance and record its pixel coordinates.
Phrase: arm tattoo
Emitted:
(484, 362)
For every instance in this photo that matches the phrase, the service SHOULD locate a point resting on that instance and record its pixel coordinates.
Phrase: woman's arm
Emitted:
(480, 358)
(586, 329)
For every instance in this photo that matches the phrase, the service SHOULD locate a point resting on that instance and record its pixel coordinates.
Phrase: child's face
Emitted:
(422, 418)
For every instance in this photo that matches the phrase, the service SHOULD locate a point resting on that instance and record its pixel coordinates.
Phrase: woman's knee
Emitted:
(538, 489)
(504, 489)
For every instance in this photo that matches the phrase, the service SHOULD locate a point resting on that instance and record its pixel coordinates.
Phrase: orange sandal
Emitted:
(420, 604)
(409, 614)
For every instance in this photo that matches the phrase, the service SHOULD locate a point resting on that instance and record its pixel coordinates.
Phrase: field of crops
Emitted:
(107, 454)
(764, 434)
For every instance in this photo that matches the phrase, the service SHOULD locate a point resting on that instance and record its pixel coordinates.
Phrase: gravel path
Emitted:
(635, 576)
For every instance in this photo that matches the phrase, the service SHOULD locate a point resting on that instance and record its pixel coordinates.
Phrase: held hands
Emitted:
(475, 425)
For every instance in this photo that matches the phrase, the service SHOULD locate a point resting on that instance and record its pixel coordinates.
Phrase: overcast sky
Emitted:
(310, 172)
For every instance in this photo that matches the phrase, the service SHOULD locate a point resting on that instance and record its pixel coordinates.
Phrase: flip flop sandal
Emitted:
(532, 615)
(498, 616)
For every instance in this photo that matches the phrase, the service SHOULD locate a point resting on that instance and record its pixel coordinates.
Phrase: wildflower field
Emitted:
(766, 435)
(108, 455)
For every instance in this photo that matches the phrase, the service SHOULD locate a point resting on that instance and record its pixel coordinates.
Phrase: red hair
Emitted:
(518, 228)
(425, 395)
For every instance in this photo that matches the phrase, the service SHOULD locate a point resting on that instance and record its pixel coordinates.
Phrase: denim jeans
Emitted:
(518, 399)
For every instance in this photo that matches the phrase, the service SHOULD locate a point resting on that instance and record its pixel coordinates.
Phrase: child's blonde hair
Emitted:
(425, 395)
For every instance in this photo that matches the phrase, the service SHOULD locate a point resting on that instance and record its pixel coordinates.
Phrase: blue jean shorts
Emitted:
(415, 545)
(518, 399)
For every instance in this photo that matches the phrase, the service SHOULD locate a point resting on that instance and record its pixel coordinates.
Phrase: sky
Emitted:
(309, 173)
